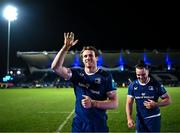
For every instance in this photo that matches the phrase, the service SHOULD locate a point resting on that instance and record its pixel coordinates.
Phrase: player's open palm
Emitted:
(69, 39)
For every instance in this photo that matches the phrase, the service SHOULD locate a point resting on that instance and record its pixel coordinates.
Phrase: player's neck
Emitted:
(91, 70)
(144, 83)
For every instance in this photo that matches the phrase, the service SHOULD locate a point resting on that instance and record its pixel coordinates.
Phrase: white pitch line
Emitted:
(66, 120)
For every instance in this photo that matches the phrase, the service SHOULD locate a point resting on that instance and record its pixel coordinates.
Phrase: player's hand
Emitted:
(69, 39)
(86, 102)
(131, 123)
(150, 104)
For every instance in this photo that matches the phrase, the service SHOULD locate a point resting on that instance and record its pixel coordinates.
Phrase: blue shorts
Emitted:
(95, 126)
(148, 125)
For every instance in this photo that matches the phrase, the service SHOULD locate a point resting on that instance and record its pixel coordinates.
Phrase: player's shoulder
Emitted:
(104, 73)
(133, 84)
(154, 82)
(77, 69)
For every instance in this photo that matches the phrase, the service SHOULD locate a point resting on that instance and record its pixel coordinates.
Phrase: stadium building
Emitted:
(164, 67)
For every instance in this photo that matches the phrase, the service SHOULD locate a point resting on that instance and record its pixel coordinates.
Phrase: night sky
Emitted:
(106, 24)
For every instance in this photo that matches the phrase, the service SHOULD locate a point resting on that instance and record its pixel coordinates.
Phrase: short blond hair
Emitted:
(89, 48)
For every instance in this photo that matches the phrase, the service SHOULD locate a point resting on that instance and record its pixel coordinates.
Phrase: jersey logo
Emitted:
(143, 94)
(81, 74)
(151, 88)
(135, 88)
(98, 80)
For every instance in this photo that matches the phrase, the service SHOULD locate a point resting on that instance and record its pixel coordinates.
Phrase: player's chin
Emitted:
(142, 81)
(89, 64)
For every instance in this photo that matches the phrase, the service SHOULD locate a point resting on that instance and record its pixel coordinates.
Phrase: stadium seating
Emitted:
(164, 67)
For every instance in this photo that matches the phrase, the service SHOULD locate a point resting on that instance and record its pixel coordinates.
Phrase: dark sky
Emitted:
(106, 24)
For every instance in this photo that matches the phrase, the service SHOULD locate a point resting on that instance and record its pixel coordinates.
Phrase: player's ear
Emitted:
(147, 71)
(97, 58)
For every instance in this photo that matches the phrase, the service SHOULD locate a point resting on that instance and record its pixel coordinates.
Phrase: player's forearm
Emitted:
(164, 102)
(59, 59)
(129, 107)
(129, 112)
(107, 104)
(129, 115)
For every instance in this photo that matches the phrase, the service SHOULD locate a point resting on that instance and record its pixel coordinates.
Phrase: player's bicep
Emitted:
(129, 99)
(164, 96)
(65, 73)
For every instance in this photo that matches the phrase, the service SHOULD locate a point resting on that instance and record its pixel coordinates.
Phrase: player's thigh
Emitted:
(154, 124)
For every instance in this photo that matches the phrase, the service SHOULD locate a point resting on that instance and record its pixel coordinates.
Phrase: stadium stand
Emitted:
(164, 67)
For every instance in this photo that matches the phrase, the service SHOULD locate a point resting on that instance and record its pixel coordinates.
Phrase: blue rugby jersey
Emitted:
(152, 90)
(96, 87)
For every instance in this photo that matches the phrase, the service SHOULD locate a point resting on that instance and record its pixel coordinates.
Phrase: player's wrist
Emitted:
(129, 118)
(156, 104)
(65, 48)
(93, 103)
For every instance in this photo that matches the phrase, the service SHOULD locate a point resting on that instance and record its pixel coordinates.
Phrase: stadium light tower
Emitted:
(9, 13)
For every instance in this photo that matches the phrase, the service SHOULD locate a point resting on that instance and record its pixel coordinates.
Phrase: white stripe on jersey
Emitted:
(130, 96)
(152, 116)
(164, 95)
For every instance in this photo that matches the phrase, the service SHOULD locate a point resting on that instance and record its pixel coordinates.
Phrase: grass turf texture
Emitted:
(44, 110)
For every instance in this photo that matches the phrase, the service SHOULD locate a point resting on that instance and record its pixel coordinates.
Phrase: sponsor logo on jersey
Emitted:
(143, 96)
(84, 85)
(95, 92)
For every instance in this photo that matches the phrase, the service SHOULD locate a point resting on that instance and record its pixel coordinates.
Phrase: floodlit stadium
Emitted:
(35, 99)
(164, 67)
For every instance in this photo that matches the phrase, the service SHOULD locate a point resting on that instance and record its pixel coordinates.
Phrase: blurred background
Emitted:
(111, 26)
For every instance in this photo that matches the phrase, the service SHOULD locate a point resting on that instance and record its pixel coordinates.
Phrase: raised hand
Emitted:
(69, 39)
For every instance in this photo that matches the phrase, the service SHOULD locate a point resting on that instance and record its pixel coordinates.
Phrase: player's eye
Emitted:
(90, 55)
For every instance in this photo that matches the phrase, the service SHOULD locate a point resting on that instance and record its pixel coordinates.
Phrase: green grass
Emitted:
(44, 110)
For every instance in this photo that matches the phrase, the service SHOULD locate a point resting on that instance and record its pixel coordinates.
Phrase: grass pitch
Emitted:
(51, 110)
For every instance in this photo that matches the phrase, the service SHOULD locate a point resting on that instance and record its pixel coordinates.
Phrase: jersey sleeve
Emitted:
(74, 76)
(111, 84)
(130, 90)
(162, 90)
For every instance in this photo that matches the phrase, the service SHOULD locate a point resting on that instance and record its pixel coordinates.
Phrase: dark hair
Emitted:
(89, 48)
(141, 64)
